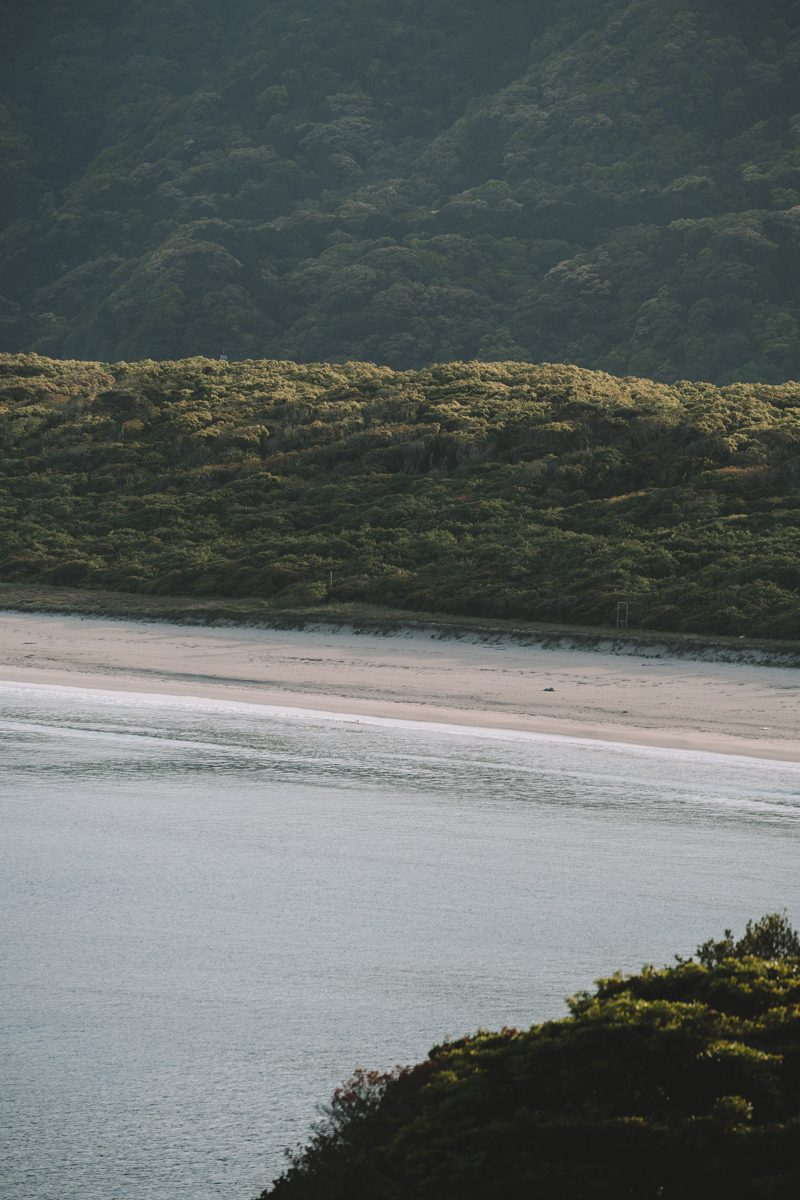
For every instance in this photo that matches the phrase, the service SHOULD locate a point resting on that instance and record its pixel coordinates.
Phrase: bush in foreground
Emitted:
(681, 1082)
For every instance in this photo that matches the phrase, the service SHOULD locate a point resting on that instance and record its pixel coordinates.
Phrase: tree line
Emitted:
(544, 493)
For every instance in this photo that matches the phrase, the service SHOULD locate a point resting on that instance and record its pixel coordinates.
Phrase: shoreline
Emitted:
(660, 703)
(476, 721)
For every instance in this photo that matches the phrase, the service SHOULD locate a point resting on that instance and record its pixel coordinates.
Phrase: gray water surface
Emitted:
(214, 912)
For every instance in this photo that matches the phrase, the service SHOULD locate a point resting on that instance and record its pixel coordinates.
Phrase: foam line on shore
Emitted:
(664, 742)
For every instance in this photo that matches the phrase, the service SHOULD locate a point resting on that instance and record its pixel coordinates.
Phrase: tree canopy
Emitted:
(613, 183)
(542, 493)
(679, 1083)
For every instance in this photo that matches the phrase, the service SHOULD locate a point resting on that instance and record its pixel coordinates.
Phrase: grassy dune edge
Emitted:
(250, 611)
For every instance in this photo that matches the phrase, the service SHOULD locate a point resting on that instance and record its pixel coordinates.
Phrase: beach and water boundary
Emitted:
(635, 692)
(253, 858)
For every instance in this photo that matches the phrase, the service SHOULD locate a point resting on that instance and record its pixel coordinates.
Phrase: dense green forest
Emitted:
(673, 1084)
(503, 490)
(614, 183)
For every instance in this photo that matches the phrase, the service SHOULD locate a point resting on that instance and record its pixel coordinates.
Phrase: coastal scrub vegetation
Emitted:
(500, 490)
(680, 1083)
(614, 183)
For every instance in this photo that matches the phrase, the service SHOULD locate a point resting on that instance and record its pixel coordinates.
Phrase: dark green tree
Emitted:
(673, 1084)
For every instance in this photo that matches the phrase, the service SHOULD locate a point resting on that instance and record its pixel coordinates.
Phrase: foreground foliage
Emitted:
(503, 490)
(673, 1084)
(610, 182)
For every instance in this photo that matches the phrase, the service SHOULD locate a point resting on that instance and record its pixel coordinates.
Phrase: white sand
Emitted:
(722, 708)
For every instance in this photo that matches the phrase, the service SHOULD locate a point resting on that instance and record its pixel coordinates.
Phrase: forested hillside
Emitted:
(502, 490)
(614, 183)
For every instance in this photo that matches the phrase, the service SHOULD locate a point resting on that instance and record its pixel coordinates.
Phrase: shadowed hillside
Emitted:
(611, 183)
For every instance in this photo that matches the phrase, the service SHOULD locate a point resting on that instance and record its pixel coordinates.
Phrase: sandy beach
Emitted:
(641, 700)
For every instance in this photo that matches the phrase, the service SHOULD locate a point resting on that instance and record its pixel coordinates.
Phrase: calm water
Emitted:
(214, 912)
